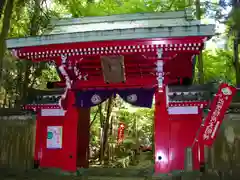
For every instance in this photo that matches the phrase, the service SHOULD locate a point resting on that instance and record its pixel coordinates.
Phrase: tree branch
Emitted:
(95, 116)
(170, 6)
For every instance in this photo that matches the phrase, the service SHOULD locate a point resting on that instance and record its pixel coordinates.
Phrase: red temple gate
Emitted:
(136, 56)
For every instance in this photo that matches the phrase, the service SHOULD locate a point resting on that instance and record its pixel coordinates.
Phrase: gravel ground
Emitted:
(13, 174)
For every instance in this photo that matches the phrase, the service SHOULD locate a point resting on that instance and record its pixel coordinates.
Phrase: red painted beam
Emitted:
(84, 67)
(86, 49)
(130, 83)
(150, 81)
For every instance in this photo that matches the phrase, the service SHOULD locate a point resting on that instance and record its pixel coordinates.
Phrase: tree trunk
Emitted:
(95, 116)
(105, 129)
(2, 3)
(200, 56)
(107, 123)
(101, 154)
(35, 24)
(4, 33)
(26, 80)
(5, 100)
(34, 28)
(236, 61)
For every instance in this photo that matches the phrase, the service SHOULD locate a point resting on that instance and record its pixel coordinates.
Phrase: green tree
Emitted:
(22, 18)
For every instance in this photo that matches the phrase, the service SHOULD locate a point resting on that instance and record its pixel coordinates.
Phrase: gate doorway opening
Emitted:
(121, 136)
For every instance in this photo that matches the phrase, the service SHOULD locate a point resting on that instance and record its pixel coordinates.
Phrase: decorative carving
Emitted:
(79, 75)
(63, 71)
(191, 93)
(64, 58)
(85, 77)
(188, 96)
(96, 99)
(227, 91)
(159, 69)
(132, 98)
(14, 53)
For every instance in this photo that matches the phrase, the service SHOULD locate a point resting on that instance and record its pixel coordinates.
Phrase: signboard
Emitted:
(213, 121)
(52, 112)
(183, 110)
(54, 137)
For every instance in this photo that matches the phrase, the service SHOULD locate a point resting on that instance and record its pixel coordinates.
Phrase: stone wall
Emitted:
(225, 154)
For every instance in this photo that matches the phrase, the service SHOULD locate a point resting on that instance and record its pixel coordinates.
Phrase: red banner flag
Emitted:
(120, 133)
(213, 121)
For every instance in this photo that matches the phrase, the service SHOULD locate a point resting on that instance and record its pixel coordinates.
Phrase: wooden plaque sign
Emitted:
(113, 69)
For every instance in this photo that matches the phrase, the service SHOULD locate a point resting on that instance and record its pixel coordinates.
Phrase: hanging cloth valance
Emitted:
(138, 97)
(91, 98)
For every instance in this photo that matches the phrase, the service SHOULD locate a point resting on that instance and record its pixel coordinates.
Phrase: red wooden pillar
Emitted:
(70, 127)
(83, 136)
(37, 147)
(75, 136)
(162, 134)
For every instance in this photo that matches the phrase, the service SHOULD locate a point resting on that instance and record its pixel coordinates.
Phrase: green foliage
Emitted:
(79, 8)
(219, 66)
(29, 17)
(138, 123)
